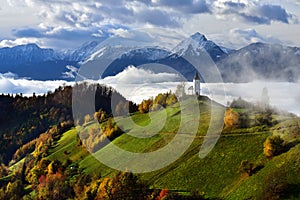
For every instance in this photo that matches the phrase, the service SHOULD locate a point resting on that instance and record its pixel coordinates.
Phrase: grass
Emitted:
(213, 173)
(67, 148)
(285, 167)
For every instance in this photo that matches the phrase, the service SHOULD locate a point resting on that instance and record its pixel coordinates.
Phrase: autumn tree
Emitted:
(100, 116)
(161, 99)
(14, 190)
(231, 119)
(124, 185)
(145, 106)
(81, 183)
(171, 99)
(54, 186)
(3, 170)
(111, 129)
(53, 167)
(273, 146)
(164, 100)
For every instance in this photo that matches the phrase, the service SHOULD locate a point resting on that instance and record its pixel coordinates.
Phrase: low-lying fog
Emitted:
(138, 84)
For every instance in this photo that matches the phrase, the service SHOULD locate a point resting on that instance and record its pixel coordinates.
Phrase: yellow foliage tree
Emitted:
(231, 119)
(273, 146)
(145, 106)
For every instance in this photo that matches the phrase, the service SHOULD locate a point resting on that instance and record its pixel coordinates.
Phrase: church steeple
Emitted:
(196, 77)
(196, 82)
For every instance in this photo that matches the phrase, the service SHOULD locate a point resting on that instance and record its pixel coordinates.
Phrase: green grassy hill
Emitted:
(217, 175)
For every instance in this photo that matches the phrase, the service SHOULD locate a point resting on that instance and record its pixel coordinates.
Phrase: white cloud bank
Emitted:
(11, 84)
(138, 84)
(133, 75)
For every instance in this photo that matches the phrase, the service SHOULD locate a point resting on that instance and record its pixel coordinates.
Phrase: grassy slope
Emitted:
(284, 167)
(216, 174)
(68, 148)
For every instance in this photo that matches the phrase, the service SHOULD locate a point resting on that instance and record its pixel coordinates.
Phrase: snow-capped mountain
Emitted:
(147, 53)
(262, 61)
(33, 62)
(97, 63)
(114, 59)
(30, 53)
(255, 61)
(83, 52)
(107, 52)
(196, 44)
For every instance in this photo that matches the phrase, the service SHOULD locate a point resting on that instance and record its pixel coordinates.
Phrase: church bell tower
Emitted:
(196, 82)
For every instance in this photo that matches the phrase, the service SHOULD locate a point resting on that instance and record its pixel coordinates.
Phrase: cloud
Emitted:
(10, 84)
(27, 32)
(237, 38)
(94, 14)
(61, 37)
(187, 6)
(251, 36)
(20, 41)
(158, 18)
(275, 13)
(81, 21)
(252, 11)
(133, 75)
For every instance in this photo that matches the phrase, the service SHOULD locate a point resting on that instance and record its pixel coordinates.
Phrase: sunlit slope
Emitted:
(217, 174)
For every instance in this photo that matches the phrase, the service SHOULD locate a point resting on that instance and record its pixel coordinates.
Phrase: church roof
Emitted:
(196, 77)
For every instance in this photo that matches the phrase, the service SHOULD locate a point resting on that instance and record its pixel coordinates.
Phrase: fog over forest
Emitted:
(138, 84)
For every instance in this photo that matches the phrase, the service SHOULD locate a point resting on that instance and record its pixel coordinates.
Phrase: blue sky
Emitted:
(64, 24)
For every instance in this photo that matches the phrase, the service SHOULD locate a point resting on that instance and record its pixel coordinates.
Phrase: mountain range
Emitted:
(257, 61)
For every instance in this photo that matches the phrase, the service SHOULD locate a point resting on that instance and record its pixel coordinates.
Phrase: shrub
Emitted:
(273, 146)
(247, 167)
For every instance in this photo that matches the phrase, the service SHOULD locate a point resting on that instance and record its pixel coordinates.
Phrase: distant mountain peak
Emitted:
(198, 37)
(196, 44)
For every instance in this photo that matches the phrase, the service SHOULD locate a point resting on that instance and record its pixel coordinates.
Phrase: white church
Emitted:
(196, 83)
(195, 88)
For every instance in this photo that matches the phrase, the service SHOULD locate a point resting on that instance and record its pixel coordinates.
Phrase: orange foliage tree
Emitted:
(231, 119)
(145, 106)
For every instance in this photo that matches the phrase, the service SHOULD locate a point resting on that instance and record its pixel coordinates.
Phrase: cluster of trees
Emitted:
(162, 100)
(13, 190)
(42, 143)
(107, 100)
(95, 138)
(51, 179)
(235, 119)
(24, 118)
(55, 180)
(249, 115)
